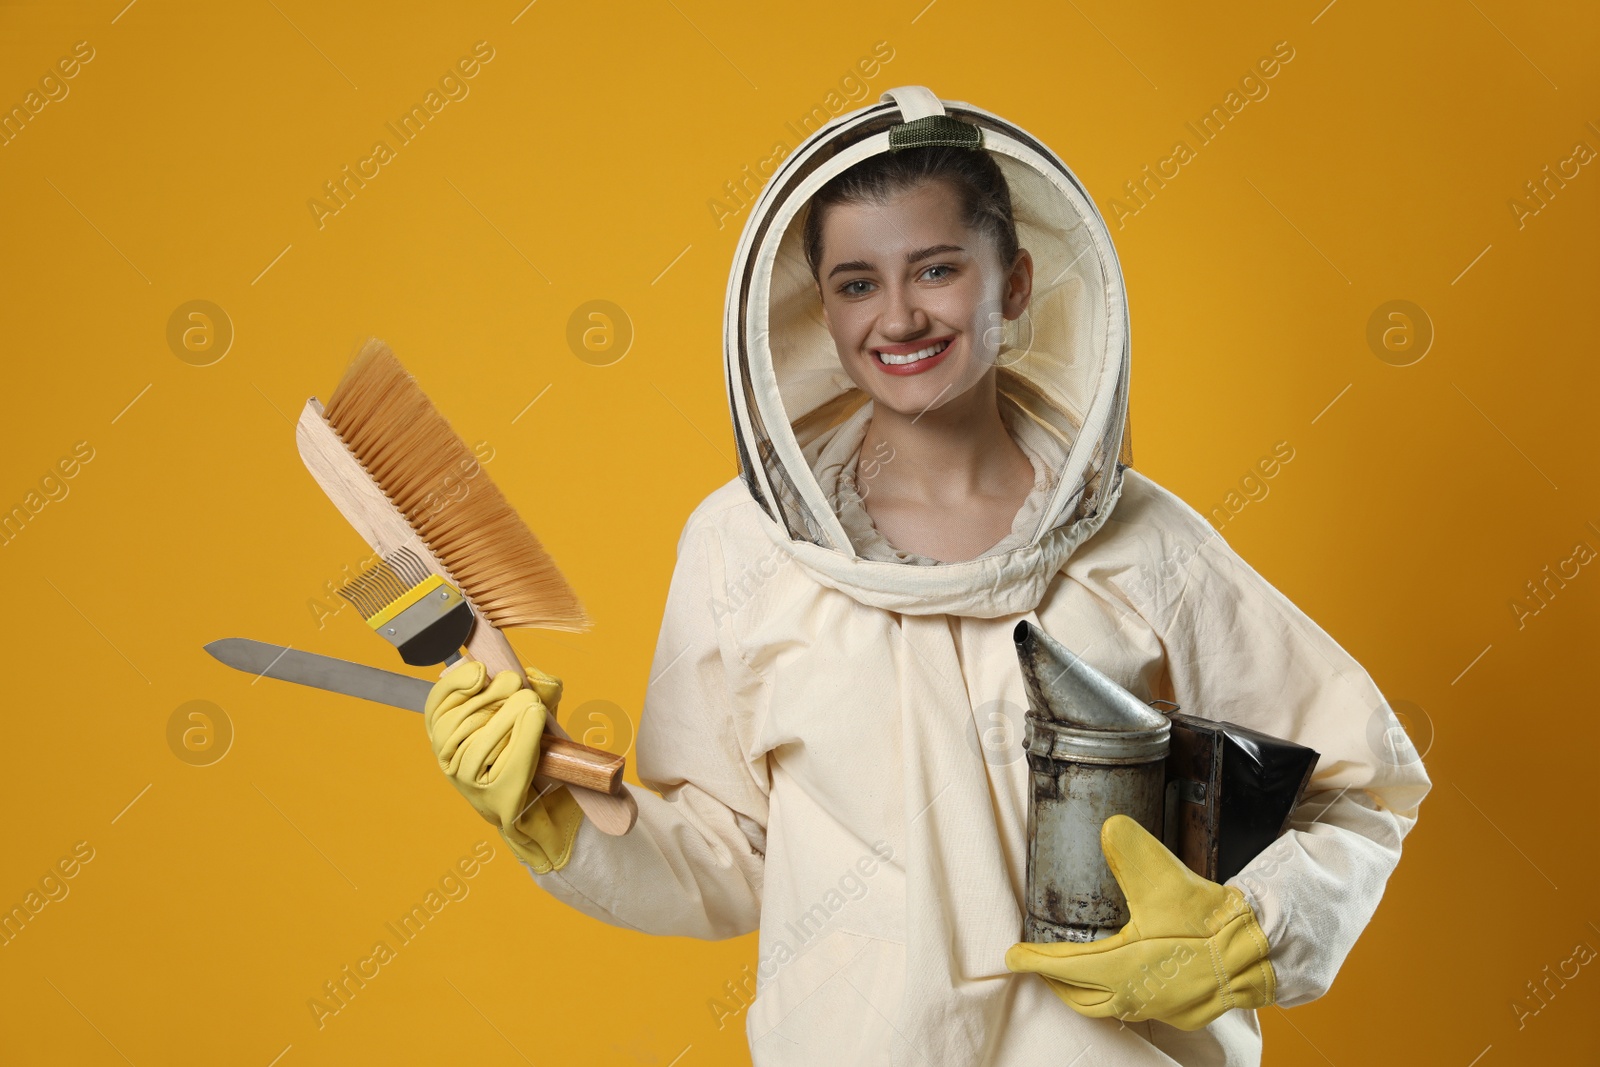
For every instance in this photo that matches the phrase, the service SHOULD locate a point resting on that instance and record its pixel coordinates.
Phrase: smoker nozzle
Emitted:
(1064, 688)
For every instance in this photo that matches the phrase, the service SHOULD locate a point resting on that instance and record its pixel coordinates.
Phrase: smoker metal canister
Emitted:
(1094, 750)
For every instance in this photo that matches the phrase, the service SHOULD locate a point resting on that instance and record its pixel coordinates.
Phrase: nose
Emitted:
(903, 317)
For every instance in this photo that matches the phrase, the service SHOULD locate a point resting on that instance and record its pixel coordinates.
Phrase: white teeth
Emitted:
(912, 357)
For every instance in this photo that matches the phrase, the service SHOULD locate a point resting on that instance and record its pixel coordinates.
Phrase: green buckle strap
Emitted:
(935, 130)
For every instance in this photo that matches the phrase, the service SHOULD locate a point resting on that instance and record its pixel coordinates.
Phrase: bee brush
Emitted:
(381, 451)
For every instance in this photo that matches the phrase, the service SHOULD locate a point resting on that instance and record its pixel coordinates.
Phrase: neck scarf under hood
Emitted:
(1062, 378)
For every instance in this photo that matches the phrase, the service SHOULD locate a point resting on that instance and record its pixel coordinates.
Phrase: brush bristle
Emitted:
(390, 425)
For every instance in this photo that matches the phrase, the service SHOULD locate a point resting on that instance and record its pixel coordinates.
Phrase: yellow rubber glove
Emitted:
(1191, 950)
(487, 743)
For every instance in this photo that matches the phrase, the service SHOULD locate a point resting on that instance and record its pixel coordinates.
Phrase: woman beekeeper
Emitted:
(927, 361)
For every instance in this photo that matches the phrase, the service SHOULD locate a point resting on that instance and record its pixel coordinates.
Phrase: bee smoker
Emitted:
(1214, 792)
(1095, 750)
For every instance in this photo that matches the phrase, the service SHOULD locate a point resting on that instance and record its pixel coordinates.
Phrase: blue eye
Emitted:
(848, 291)
(941, 267)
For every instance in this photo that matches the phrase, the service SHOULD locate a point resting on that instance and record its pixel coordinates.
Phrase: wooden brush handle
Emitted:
(363, 504)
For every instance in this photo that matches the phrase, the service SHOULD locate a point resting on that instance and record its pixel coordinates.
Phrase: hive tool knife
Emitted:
(322, 672)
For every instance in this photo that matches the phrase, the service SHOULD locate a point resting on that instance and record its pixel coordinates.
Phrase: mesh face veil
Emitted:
(1064, 362)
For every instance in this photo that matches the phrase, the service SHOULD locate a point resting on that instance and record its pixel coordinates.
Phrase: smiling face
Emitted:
(914, 298)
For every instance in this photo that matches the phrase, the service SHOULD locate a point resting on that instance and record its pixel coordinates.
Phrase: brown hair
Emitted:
(971, 173)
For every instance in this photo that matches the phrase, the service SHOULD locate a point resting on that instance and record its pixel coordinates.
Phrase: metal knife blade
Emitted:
(321, 672)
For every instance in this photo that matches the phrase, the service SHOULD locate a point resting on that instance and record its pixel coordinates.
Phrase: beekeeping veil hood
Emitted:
(1064, 364)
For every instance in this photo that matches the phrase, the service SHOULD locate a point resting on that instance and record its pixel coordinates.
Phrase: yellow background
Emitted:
(580, 167)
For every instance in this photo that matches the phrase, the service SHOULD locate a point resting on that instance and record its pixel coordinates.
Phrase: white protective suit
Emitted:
(834, 727)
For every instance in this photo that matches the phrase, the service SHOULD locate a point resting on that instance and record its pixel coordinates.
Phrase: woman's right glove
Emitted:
(487, 742)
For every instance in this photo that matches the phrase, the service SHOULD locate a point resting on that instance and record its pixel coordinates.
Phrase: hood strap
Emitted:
(914, 101)
(935, 130)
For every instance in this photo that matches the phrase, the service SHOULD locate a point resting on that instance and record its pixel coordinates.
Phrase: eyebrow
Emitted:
(911, 257)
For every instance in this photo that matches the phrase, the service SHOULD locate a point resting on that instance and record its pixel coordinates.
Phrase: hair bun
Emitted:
(935, 130)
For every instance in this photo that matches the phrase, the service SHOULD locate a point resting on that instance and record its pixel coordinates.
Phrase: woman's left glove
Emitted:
(486, 739)
(1191, 951)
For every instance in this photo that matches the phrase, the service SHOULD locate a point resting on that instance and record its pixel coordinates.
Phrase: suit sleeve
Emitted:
(1238, 650)
(692, 865)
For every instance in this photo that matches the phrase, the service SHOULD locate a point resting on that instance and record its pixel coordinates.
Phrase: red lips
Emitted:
(907, 347)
